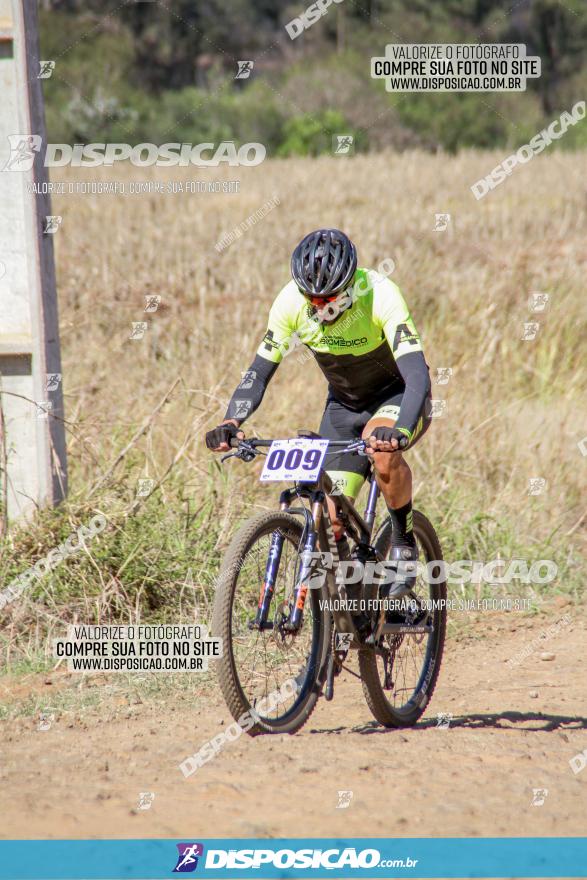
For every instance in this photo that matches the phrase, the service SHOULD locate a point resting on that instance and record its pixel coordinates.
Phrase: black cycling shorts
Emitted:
(349, 470)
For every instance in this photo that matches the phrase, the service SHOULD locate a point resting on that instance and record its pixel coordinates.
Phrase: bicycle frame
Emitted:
(318, 532)
(376, 634)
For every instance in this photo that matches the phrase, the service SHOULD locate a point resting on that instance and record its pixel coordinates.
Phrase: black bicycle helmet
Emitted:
(324, 262)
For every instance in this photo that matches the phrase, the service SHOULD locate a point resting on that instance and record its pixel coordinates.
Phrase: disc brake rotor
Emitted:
(279, 634)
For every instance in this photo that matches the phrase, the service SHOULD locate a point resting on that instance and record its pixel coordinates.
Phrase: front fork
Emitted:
(307, 564)
(268, 587)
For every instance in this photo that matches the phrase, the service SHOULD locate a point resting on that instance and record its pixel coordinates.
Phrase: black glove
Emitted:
(221, 434)
(387, 434)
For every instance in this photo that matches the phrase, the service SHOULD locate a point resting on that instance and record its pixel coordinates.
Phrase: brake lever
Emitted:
(359, 446)
(229, 455)
(244, 452)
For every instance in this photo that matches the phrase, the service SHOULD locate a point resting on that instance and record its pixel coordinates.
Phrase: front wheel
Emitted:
(270, 678)
(400, 675)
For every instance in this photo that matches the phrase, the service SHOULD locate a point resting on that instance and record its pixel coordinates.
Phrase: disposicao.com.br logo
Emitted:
(329, 859)
(25, 147)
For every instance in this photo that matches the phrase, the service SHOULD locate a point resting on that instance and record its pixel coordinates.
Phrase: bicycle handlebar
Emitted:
(253, 441)
(354, 443)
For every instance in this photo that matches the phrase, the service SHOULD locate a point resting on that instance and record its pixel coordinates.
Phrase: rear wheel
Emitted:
(274, 675)
(400, 676)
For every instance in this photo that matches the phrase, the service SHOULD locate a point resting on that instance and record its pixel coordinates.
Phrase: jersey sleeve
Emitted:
(392, 314)
(249, 394)
(414, 372)
(280, 328)
(275, 344)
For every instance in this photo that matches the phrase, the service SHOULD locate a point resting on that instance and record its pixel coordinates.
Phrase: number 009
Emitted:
(292, 460)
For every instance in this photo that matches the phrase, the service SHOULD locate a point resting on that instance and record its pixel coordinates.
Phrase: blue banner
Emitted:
(294, 858)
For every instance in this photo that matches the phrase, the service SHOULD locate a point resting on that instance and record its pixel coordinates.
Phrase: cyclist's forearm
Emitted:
(414, 372)
(249, 394)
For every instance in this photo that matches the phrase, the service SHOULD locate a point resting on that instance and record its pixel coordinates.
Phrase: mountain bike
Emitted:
(283, 612)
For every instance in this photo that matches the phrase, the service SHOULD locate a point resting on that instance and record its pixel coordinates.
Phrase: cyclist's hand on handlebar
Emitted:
(384, 439)
(218, 440)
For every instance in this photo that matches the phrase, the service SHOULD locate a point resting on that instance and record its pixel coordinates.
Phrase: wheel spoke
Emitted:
(265, 660)
(409, 657)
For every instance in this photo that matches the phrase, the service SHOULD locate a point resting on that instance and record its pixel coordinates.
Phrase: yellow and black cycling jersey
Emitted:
(369, 353)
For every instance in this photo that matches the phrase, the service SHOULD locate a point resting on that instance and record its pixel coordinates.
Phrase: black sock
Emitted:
(402, 524)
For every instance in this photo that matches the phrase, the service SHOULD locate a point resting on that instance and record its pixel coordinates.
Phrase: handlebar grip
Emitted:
(403, 442)
(233, 442)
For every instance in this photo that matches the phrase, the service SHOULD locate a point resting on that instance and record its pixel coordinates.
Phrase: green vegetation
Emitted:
(145, 71)
(157, 560)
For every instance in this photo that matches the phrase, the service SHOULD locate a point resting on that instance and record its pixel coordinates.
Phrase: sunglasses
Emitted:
(320, 301)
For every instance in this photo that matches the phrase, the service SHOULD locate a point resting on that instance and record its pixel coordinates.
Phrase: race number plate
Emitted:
(299, 460)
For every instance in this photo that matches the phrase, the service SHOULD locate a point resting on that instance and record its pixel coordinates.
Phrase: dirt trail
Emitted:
(82, 778)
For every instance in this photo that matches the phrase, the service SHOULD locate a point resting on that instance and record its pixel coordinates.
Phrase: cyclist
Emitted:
(357, 324)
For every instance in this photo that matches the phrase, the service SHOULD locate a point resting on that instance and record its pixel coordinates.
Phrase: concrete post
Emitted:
(31, 399)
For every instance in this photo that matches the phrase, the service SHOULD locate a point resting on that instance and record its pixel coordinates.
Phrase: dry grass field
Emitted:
(515, 411)
(515, 408)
